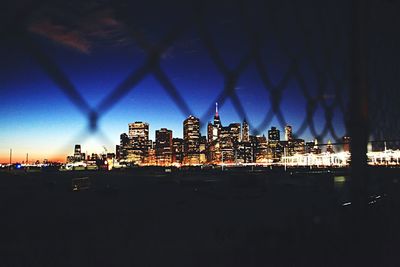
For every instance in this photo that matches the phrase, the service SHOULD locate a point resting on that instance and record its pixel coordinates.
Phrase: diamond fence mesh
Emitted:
(310, 33)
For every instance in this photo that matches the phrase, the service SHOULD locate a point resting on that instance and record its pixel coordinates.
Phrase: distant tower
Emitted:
(316, 148)
(209, 132)
(217, 121)
(163, 146)
(329, 147)
(288, 133)
(274, 134)
(191, 137)
(346, 143)
(77, 153)
(245, 131)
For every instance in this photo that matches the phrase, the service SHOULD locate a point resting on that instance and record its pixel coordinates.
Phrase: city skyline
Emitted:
(233, 143)
(93, 146)
(95, 54)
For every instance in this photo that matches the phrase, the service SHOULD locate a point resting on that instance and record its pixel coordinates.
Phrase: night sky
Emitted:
(92, 45)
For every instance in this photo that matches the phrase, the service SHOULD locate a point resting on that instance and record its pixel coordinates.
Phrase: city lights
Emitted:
(231, 145)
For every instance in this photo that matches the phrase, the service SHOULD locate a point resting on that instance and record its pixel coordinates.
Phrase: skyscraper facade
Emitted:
(139, 142)
(274, 147)
(77, 153)
(191, 137)
(245, 131)
(288, 133)
(177, 150)
(163, 147)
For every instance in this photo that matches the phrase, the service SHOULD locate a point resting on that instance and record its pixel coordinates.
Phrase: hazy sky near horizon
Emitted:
(92, 45)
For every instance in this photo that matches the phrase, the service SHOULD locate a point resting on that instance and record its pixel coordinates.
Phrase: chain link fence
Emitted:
(309, 35)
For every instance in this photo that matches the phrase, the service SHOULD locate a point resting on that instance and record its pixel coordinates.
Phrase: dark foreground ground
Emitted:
(196, 219)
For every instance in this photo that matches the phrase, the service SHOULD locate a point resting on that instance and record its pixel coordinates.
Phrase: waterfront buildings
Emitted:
(230, 144)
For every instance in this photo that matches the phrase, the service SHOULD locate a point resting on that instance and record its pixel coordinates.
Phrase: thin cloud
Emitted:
(82, 33)
(62, 35)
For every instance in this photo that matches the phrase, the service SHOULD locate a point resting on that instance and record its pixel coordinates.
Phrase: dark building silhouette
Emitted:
(163, 147)
(346, 143)
(77, 153)
(177, 150)
(274, 145)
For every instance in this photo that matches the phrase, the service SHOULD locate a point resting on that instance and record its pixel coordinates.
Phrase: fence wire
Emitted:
(327, 56)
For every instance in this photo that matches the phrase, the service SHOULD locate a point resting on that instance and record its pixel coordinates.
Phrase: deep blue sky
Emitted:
(38, 118)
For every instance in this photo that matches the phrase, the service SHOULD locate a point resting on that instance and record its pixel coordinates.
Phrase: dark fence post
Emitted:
(358, 126)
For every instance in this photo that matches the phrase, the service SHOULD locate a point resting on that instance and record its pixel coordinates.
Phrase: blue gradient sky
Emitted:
(37, 118)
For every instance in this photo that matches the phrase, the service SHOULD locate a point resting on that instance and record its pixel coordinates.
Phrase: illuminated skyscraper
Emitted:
(124, 146)
(262, 149)
(316, 148)
(163, 147)
(329, 147)
(191, 137)
(274, 134)
(177, 150)
(226, 145)
(77, 153)
(139, 142)
(139, 132)
(234, 132)
(245, 131)
(210, 128)
(288, 133)
(203, 148)
(217, 121)
(274, 146)
(346, 143)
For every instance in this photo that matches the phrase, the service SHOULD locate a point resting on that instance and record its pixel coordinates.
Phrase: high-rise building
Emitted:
(309, 147)
(274, 134)
(245, 131)
(203, 149)
(234, 132)
(177, 150)
(139, 142)
(210, 128)
(288, 133)
(117, 152)
(217, 121)
(213, 153)
(274, 145)
(191, 137)
(227, 145)
(262, 149)
(329, 147)
(163, 147)
(124, 146)
(244, 152)
(346, 143)
(139, 132)
(316, 149)
(77, 153)
(298, 146)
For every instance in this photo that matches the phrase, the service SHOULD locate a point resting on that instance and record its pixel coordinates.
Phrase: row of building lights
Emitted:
(230, 144)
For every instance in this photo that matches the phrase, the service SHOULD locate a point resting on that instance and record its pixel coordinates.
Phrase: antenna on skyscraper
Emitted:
(216, 109)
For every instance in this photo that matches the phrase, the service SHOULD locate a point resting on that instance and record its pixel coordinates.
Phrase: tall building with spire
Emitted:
(214, 131)
(217, 121)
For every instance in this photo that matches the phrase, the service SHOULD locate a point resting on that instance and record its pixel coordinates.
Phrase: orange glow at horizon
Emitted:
(18, 158)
